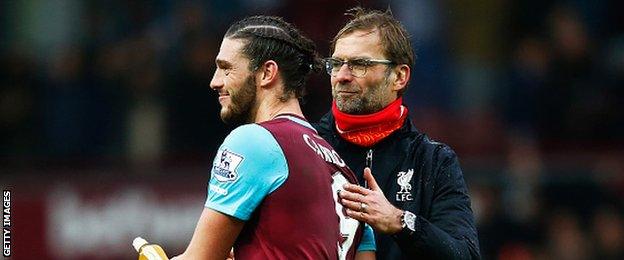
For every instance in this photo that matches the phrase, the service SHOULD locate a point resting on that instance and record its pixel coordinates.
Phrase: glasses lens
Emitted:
(328, 66)
(358, 67)
(332, 66)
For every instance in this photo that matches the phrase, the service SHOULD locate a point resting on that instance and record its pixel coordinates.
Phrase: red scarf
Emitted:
(367, 130)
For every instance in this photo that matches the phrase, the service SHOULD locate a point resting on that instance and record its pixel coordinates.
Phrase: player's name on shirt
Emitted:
(329, 155)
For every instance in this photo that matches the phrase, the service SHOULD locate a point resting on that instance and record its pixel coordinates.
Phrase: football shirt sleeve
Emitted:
(248, 166)
(368, 240)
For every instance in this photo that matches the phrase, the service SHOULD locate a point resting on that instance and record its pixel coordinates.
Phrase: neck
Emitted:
(367, 130)
(270, 106)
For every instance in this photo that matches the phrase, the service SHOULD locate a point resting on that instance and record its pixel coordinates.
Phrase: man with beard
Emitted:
(272, 192)
(418, 203)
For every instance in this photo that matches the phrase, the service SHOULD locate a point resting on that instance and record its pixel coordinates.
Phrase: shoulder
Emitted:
(250, 138)
(246, 132)
(439, 151)
(432, 154)
(444, 167)
(247, 151)
(247, 129)
(437, 163)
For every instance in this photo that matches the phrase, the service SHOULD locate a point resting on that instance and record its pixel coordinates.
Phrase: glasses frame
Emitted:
(329, 68)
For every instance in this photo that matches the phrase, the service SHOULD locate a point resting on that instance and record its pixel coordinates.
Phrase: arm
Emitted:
(448, 233)
(214, 236)
(244, 171)
(365, 255)
(366, 248)
(450, 230)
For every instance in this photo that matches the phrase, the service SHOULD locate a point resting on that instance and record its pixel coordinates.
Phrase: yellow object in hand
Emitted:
(148, 251)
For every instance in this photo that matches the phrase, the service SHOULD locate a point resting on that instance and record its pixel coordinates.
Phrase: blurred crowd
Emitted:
(529, 94)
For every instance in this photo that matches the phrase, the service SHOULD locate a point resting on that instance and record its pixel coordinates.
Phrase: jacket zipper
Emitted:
(369, 163)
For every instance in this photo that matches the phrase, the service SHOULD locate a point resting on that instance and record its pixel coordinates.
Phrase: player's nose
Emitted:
(216, 82)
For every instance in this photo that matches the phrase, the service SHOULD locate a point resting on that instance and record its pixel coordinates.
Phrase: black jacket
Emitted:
(436, 192)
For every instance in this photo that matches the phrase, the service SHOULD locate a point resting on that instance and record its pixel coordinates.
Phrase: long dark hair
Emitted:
(272, 38)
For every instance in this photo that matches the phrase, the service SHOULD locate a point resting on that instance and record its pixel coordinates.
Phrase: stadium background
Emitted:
(108, 126)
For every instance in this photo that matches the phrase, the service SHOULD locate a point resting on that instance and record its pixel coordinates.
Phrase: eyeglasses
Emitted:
(356, 66)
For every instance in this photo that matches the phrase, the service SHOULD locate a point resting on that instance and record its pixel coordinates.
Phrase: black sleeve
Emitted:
(450, 231)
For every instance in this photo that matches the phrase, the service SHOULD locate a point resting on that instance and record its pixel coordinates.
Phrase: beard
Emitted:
(370, 101)
(242, 102)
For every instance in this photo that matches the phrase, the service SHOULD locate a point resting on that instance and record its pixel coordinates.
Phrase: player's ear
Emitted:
(267, 73)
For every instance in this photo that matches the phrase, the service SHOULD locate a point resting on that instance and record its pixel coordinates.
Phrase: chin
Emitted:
(231, 118)
(225, 115)
(346, 105)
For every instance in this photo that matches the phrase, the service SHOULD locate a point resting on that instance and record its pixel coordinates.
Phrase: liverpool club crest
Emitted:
(404, 179)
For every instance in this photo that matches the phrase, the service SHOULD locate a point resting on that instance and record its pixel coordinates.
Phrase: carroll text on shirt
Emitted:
(327, 154)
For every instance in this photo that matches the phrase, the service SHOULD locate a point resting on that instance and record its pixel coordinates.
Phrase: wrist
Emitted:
(408, 226)
(408, 221)
(397, 223)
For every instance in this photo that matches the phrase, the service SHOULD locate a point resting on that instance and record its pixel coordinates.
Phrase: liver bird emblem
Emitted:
(404, 179)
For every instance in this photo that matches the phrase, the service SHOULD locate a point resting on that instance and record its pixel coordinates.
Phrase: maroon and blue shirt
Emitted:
(282, 178)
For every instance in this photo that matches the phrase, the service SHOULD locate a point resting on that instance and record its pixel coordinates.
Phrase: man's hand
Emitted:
(371, 206)
(231, 255)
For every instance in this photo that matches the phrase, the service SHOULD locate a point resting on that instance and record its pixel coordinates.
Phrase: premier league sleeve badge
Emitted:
(224, 169)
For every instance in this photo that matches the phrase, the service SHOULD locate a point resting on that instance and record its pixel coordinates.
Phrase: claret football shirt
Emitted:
(281, 178)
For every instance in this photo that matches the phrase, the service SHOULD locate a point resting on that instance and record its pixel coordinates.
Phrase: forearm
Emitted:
(365, 255)
(434, 243)
(213, 237)
(447, 231)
